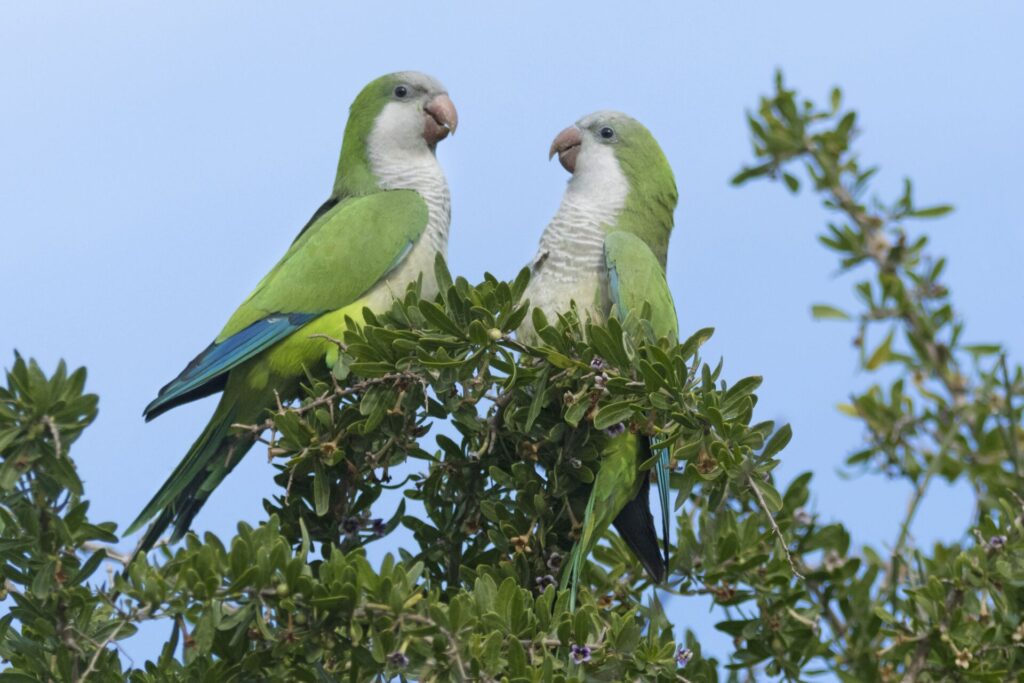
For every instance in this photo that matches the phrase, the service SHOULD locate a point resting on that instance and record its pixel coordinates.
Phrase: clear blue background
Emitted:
(156, 160)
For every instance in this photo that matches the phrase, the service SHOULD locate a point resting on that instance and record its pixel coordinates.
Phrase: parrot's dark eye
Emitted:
(401, 91)
(607, 133)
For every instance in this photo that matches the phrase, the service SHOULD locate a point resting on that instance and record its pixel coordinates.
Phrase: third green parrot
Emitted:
(380, 230)
(605, 250)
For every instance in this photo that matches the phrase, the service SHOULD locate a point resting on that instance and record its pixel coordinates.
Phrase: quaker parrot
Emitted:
(606, 250)
(381, 228)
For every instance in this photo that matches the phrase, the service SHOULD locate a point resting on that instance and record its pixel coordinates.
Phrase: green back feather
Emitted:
(338, 258)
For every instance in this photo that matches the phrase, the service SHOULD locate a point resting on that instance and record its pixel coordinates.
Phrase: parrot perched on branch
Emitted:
(386, 220)
(605, 250)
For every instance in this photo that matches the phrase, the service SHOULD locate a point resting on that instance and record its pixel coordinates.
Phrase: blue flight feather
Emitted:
(218, 358)
(662, 470)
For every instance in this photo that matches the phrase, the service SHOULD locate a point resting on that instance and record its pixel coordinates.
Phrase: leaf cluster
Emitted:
(938, 408)
(494, 505)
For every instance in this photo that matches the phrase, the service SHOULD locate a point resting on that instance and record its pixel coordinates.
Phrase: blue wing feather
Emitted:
(218, 358)
(662, 470)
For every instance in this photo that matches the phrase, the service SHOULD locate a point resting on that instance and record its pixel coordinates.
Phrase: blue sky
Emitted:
(156, 160)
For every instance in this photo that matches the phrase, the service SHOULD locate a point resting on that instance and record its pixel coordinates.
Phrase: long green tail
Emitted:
(211, 458)
(580, 551)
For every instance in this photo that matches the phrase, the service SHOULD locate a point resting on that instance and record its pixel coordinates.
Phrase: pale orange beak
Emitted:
(567, 146)
(441, 119)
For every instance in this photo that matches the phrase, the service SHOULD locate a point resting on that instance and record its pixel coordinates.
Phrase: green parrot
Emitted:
(605, 250)
(384, 223)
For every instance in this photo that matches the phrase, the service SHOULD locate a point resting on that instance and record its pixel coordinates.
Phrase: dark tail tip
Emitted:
(635, 525)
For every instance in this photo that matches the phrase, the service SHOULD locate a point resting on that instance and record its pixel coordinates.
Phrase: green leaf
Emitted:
(883, 614)
(439, 319)
(16, 677)
(982, 349)
(519, 284)
(931, 211)
(539, 397)
(501, 477)
(791, 182)
(689, 347)
(441, 273)
(778, 441)
(90, 566)
(881, 354)
(609, 347)
(514, 319)
(42, 583)
(577, 411)
(752, 172)
(771, 497)
(823, 312)
(738, 391)
(321, 488)
(613, 414)
(846, 124)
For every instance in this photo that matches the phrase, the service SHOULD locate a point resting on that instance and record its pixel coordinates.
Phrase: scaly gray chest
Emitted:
(428, 180)
(558, 283)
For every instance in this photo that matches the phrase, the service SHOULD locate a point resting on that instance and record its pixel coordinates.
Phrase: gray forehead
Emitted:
(605, 116)
(421, 80)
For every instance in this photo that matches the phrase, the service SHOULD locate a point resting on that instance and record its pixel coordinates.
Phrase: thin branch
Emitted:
(186, 640)
(54, 433)
(915, 501)
(500, 401)
(837, 627)
(337, 342)
(775, 528)
(328, 398)
(112, 553)
(916, 496)
(100, 649)
(1011, 424)
(919, 662)
(374, 456)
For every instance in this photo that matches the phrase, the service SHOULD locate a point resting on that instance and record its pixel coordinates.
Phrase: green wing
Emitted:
(636, 279)
(338, 258)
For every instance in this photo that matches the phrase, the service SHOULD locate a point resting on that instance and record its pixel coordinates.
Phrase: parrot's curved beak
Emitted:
(441, 119)
(567, 146)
